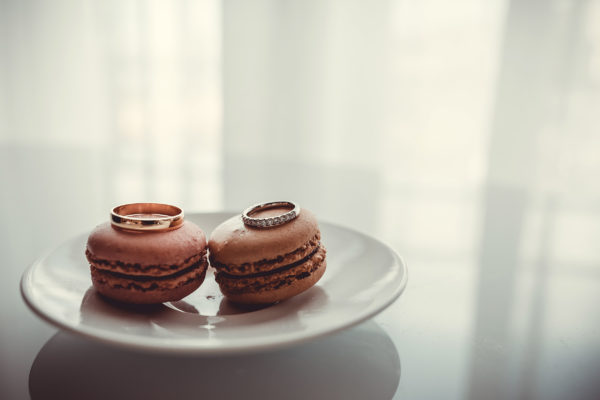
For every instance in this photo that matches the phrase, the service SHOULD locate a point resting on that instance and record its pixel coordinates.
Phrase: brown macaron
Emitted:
(262, 265)
(147, 267)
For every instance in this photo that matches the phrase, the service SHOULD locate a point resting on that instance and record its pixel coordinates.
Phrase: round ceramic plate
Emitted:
(363, 277)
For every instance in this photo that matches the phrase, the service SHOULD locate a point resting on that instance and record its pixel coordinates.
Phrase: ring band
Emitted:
(267, 222)
(146, 217)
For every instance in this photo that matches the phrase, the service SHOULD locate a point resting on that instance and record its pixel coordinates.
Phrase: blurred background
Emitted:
(465, 134)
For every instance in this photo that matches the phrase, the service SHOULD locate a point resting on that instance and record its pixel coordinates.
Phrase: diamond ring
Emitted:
(267, 222)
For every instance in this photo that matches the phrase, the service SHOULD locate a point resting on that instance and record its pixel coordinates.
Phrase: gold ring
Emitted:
(146, 217)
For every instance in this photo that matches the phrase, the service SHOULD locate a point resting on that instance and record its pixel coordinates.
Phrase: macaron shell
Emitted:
(233, 242)
(146, 248)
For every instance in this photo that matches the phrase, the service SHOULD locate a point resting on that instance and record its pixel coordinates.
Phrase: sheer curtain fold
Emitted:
(304, 98)
(136, 81)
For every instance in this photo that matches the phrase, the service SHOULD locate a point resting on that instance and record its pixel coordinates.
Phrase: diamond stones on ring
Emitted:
(267, 222)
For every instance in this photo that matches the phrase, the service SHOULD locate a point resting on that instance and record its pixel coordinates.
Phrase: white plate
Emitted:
(363, 277)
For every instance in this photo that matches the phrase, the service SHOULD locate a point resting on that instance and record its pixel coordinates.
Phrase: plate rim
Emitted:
(288, 340)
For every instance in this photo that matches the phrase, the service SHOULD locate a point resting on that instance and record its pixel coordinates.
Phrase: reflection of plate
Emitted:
(363, 277)
(335, 367)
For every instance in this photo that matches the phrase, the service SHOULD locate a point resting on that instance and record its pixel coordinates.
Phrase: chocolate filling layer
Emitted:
(146, 278)
(272, 282)
(266, 264)
(136, 266)
(273, 271)
(154, 286)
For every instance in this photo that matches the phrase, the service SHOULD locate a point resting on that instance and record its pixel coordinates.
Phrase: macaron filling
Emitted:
(142, 270)
(145, 278)
(270, 272)
(119, 275)
(270, 280)
(265, 265)
(145, 283)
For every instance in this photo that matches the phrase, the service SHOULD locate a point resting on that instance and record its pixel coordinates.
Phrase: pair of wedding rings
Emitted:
(156, 217)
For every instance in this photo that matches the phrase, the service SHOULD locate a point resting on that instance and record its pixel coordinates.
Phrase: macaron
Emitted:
(263, 265)
(147, 267)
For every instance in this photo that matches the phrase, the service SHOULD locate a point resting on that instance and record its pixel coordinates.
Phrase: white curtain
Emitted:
(129, 91)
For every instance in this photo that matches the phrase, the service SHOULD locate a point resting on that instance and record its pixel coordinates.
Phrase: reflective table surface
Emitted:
(463, 134)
